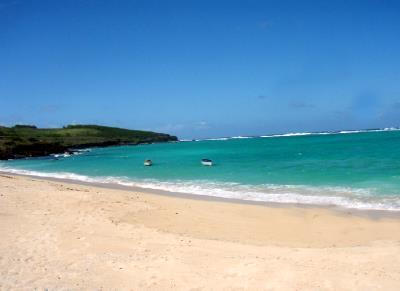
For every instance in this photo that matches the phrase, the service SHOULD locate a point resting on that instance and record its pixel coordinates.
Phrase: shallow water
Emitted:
(349, 169)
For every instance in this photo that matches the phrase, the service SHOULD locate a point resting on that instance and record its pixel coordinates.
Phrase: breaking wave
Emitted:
(293, 194)
(297, 134)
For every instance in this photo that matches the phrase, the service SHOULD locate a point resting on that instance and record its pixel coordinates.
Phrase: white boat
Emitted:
(206, 162)
(148, 162)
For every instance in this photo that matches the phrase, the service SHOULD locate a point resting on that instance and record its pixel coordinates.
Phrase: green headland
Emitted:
(22, 141)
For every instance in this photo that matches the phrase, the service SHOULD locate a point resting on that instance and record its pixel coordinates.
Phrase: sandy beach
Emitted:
(64, 236)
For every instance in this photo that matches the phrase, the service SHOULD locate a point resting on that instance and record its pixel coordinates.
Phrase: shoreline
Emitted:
(370, 213)
(301, 214)
(63, 235)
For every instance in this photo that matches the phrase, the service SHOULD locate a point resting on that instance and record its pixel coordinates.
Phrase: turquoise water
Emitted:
(356, 170)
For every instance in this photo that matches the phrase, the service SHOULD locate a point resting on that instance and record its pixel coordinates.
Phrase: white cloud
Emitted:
(202, 125)
(170, 127)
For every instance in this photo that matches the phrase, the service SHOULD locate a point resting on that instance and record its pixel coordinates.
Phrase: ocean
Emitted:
(351, 169)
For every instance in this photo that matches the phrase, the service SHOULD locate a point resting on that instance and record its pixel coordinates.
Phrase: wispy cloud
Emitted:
(299, 104)
(50, 108)
(366, 106)
(264, 24)
(201, 125)
(53, 125)
(183, 127)
(12, 119)
(170, 127)
(391, 115)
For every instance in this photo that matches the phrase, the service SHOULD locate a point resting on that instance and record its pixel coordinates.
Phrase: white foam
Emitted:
(219, 138)
(241, 137)
(206, 139)
(83, 150)
(290, 134)
(64, 155)
(331, 132)
(298, 194)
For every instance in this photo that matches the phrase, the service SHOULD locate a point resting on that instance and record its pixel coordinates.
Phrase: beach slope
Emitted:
(57, 235)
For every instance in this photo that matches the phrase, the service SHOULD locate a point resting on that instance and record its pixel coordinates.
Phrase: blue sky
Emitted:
(201, 68)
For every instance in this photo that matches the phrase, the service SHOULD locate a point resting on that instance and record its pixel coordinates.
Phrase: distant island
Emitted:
(22, 141)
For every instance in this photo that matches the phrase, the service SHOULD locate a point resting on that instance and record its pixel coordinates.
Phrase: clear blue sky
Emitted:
(201, 68)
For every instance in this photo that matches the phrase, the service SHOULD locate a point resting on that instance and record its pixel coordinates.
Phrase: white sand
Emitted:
(63, 236)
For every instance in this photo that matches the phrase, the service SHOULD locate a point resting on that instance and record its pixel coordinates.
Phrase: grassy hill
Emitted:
(27, 140)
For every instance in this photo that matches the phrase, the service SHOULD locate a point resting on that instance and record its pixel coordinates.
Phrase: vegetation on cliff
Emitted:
(29, 141)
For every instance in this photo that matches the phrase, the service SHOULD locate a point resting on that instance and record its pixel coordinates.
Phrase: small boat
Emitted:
(206, 162)
(148, 162)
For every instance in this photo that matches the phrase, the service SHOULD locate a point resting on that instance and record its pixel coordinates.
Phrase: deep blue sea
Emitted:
(348, 169)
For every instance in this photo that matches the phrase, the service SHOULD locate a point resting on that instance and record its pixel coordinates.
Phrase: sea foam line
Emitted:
(289, 134)
(342, 197)
(331, 132)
